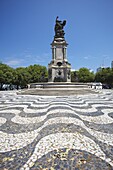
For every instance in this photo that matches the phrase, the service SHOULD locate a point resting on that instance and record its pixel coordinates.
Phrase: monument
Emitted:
(59, 70)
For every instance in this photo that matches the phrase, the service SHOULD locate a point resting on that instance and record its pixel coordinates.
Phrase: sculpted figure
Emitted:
(59, 32)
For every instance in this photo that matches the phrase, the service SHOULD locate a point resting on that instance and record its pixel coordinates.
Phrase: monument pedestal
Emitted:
(59, 70)
(57, 89)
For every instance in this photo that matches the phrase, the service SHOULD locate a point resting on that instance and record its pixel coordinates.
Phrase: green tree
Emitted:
(38, 73)
(105, 76)
(21, 77)
(85, 75)
(2, 78)
(6, 74)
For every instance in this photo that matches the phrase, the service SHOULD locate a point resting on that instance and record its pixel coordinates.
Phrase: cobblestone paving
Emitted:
(62, 133)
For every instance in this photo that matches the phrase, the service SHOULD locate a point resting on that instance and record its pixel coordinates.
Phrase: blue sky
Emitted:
(27, 30)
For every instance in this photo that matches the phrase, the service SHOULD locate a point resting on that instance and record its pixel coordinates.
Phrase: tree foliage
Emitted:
(85, 75)
(22, 76)
(6, 74)
(38, 73)
(105, 75)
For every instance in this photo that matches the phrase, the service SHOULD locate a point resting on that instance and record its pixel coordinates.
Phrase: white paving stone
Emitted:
(62, 140)
(10, 102)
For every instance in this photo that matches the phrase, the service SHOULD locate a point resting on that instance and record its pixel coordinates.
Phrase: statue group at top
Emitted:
(59, 32)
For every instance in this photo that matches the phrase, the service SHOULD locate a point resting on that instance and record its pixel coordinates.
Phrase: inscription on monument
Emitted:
(59, 52)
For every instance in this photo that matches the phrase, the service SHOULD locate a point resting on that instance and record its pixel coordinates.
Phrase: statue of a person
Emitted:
(59, 32)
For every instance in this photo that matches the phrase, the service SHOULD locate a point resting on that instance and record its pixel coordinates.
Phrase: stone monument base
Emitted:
(57, 89)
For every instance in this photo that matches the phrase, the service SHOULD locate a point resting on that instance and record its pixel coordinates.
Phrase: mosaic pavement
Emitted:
(61, 133)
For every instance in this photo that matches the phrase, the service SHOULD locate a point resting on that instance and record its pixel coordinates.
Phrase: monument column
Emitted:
(65, 53)
(59, 70)
(53, 52)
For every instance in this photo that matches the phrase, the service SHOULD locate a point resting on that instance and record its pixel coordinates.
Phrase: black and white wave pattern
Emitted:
(56, 132)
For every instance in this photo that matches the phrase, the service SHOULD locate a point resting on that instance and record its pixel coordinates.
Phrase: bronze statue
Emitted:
(59, 32)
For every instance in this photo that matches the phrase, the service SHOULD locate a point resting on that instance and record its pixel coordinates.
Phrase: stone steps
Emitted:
(57, 91)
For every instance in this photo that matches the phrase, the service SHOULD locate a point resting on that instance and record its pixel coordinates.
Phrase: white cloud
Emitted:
(86, 58)
(27, 58)
(73, 69)
(14, 62)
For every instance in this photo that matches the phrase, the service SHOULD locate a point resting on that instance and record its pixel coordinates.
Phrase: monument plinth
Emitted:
(59, 70)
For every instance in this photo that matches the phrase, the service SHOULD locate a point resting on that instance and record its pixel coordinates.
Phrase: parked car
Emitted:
(106, 86)
(9, 87)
